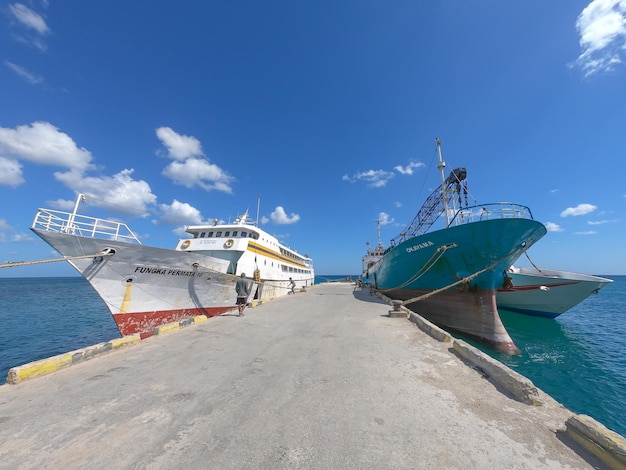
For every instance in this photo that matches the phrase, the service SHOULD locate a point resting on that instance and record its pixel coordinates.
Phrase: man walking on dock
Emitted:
(243, 291)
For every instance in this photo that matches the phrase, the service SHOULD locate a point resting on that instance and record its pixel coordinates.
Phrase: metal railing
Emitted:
(75, 224)
(491, 211)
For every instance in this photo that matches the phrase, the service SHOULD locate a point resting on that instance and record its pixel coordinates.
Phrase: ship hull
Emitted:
(144, 287)
(547, 293)
(426, 269)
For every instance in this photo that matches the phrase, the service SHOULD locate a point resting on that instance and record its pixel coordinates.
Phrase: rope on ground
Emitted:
(12, 264)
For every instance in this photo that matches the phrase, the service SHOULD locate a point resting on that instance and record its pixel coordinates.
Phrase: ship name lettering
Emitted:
(166, 272)
(419, 246)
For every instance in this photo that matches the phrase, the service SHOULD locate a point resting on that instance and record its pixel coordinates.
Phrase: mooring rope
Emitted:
(460, 281)
(531, 262)
(234, 276)
(439, 252)
(12, 264)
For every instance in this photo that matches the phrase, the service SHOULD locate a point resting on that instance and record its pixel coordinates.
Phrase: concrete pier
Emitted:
(324, 379)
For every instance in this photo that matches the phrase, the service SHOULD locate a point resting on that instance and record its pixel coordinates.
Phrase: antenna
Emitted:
(258, 208)
(441, 165)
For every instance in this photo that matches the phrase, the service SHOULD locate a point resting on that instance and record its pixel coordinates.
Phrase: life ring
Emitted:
(229, 243)
(184, 245)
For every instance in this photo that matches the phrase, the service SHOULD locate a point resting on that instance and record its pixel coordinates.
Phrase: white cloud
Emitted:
(10, 172)
(43, 143)
(179, 147)
(552, 227)
(29, 18)
(374, 178)
(580, 209)
(408, 170)
(178, 213)
(8, 233)
(280, 217)
(602, 222)
(199, 172)
(385, 219)
(119, 193)
(25, 74)
(4, 225)
(62, 204)
(590, 232)
(189, 168)
(602, 29)
(29, 26)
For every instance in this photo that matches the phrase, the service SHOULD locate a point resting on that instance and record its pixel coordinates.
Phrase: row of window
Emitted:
(291, 255)
(244, 234)
(291, 269)
(229, 234)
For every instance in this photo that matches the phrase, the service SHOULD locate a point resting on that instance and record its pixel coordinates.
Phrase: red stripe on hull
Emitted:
(145, 322)
(537, 286)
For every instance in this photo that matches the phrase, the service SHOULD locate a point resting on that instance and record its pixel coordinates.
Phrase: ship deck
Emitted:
(326, 378)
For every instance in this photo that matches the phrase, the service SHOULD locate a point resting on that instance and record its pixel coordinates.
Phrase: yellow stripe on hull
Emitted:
(261, 250)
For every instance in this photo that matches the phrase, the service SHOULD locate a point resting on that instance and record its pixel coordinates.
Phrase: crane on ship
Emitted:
(440, 201)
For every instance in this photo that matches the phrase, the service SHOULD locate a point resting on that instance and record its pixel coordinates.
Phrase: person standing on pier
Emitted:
(242, 286)
(292, 286)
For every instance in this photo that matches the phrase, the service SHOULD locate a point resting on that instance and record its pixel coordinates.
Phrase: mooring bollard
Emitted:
(397, 311)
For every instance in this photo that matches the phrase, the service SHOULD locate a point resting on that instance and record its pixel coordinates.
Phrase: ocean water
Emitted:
(43, 317)
(578, 358)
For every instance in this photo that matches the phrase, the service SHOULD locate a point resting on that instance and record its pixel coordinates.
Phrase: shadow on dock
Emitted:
(365, 295)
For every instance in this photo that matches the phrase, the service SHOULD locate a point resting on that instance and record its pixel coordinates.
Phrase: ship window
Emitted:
(218, 234)
(202, 234)
(210, 234)
(235, 233)
(243, 234)
(227, 234)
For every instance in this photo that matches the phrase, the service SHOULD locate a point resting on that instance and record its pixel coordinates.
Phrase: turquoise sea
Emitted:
(579, 358)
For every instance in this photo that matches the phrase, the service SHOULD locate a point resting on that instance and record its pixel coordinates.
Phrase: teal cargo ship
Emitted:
(451, 275)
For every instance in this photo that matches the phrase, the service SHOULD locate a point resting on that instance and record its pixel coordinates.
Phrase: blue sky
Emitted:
(172, 113)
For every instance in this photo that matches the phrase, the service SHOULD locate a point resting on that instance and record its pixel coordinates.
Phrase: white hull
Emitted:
(144, 287)
(547, 292)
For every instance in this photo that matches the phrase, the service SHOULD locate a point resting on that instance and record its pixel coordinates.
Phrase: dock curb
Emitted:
(516, 384)
(607, 445)
(38, 368)
(52, 364)
(430, 328)
(167, 328)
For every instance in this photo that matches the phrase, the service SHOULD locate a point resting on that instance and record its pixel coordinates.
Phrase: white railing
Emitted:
(75, 224)
(498, 210)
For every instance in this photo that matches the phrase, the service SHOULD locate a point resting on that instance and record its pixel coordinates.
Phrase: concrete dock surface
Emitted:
(323, 379)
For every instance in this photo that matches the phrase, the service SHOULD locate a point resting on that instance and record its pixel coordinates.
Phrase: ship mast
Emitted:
(441, 166)
(70, 220)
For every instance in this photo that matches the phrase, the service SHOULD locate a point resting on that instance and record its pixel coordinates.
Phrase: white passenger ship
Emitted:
(144, 287)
